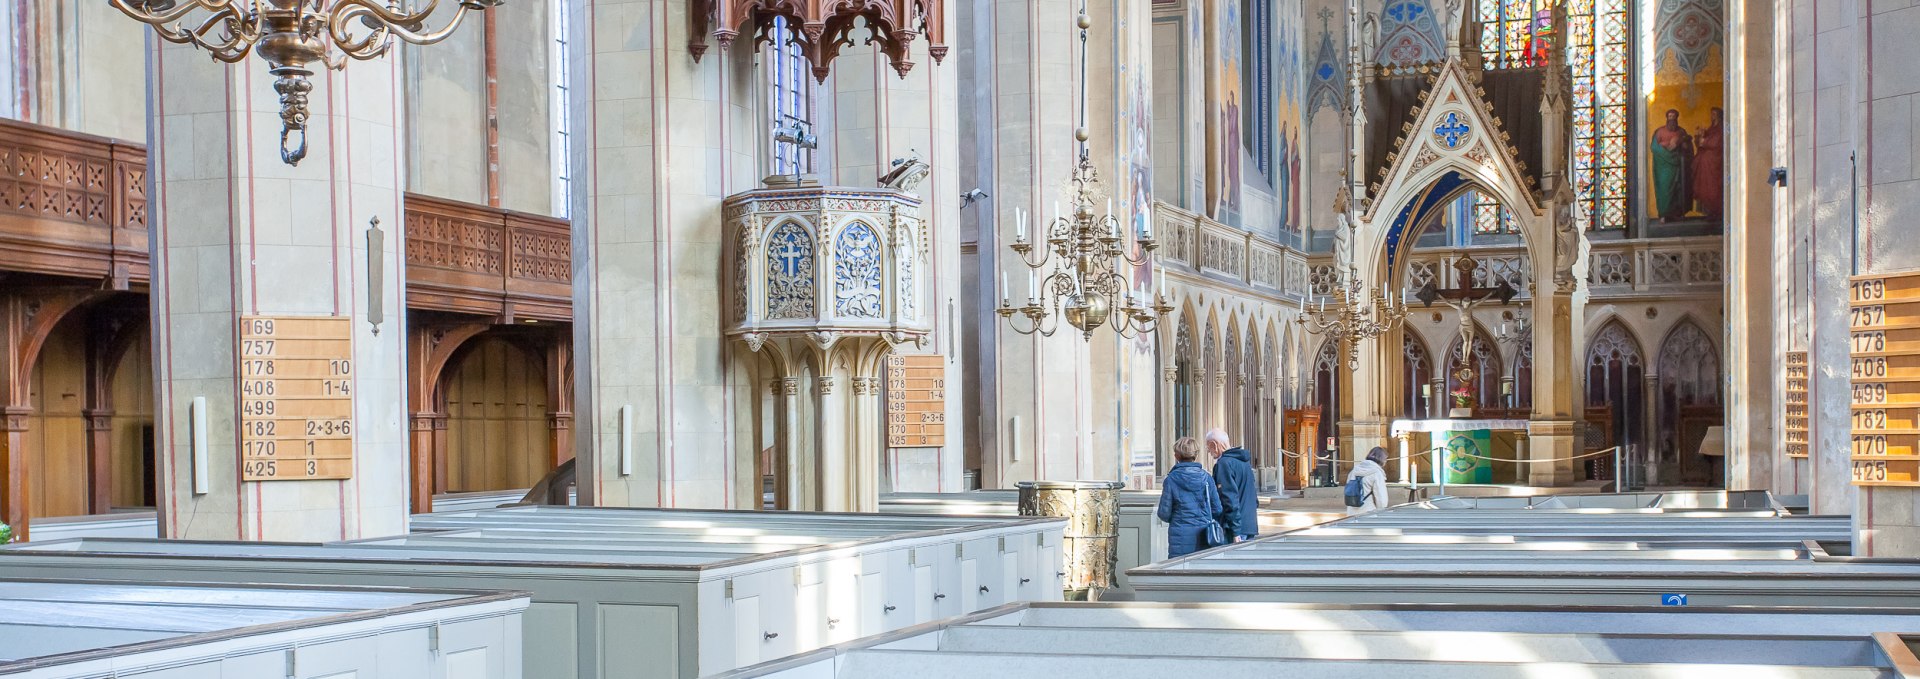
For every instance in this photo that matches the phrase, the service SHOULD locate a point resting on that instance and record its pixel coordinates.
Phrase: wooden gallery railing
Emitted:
(73, 204)
(478, 260)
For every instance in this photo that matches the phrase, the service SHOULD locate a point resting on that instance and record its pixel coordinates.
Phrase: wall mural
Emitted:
(1685, 169)
(1290, 116)
(1231, 138)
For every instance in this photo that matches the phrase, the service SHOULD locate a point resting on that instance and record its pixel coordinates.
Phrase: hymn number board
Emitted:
(1884, 342)
(1795, 429)
(916, 401)
(296, 398)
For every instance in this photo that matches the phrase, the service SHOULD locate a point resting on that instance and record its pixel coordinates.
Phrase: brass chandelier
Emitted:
(1086, 284)
(294, 36)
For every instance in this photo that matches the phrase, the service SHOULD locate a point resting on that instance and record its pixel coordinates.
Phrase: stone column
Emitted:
(790, 491)
(831, 470)
(238, 233)
(659, 141)
(1752, 355)
(1649, 431)
(1550, 431)
(866, 446)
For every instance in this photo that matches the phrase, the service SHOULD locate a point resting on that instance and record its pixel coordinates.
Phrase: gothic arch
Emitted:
(1615, 375)
(1687, 402)
(1453, 143)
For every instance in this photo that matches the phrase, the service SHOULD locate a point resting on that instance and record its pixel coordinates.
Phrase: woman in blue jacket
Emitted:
(1188, 501)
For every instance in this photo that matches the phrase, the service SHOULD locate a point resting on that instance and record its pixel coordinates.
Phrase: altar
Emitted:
(1469, 451)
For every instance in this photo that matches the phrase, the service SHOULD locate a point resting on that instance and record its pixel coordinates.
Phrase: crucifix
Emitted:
(1464, 299)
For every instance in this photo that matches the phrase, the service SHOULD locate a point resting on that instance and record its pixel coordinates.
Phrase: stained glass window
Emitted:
(1490, 217)
(1516, 34)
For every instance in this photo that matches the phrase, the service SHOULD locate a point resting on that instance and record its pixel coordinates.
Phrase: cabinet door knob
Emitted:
(772, 635)
(832, 621)
(888, 609)
(983, 589)
(938, 597)
(1025, 580)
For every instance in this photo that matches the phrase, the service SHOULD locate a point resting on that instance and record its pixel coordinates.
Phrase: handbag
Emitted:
(1216, 534)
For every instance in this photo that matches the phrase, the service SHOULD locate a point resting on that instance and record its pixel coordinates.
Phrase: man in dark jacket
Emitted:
(1239, 501)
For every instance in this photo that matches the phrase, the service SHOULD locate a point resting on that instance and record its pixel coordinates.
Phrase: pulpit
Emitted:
(1300, 438)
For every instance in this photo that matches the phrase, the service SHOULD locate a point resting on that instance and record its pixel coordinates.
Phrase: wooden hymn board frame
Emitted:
(1884, 346)
(916, 401)
(296, 398)
(1794, 428)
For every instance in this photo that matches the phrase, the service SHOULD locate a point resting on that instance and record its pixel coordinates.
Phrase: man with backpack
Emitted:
(1367, 484)
(1239, 498)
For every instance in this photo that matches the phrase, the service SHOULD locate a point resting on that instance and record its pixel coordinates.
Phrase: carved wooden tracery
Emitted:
(825, 27)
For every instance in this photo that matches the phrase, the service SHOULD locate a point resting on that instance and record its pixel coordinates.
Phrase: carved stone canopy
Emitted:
(824, 27)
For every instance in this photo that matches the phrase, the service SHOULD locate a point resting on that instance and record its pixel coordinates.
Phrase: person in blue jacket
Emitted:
(1239, 499)
(1188, 501)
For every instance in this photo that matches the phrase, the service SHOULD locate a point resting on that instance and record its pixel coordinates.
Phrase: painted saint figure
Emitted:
(1230, 152)
(1709, 167)
(1671, 153)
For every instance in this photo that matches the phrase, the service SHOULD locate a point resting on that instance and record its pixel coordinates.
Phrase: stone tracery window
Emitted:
(1517, 33)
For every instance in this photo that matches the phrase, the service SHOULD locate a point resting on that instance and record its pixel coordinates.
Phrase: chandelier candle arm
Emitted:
(293, 36)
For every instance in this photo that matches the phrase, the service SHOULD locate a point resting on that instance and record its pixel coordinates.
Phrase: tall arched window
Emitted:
(1517, 34)
(1326, 389)
(1250, 429)
(1523, 378)
(1688, 403)
(1419, 373)
(1615, 373)
(1256, 81)
(1230, 419)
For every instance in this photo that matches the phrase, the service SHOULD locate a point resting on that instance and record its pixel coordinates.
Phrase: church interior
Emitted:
(685, 338)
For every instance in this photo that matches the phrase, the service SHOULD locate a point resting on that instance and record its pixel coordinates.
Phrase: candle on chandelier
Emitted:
(1033, 288)
(1019, 225)
(1003, 288)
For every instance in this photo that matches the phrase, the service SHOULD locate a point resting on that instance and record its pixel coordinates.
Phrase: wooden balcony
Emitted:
(73, 204)
(473, 259)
